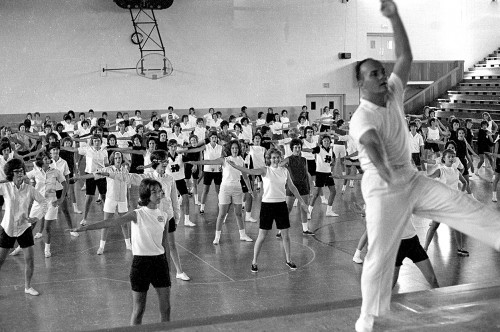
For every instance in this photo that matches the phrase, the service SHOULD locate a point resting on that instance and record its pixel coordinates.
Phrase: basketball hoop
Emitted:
(154, 66)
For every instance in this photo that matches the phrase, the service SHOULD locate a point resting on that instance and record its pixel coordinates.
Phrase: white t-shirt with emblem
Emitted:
(147, 232)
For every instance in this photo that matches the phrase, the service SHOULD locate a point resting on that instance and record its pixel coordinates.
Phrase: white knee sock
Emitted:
(47, 246)
(202, 207)
(103, 243)
(217, 234)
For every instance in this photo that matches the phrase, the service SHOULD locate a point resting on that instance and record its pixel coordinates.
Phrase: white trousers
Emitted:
(389, 208)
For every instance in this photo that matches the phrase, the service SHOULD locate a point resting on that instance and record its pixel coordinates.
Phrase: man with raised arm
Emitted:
(391, 187)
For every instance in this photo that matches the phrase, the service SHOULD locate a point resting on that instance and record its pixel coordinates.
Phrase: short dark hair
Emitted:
(156, 157)
(412, 124)
(295, 142)
(4, 146)
(145, 191)
(12, 165)
(40, 156)
(484, 123)
(357, 69)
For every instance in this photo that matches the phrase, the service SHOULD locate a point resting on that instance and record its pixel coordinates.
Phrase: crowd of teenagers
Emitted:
(146, 172)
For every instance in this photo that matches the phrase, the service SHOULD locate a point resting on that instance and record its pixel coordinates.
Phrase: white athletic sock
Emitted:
(127, 243)
(195, 199)
(47, 246)
(186, 218)
(75, 206)
(343, 187)
(248, 214)
(343, 173)
(103, 243)
(242, 232)
(202, 207)
(304, 227)
(357, 253)
(495, 195)
(329, 208)
(217, 234)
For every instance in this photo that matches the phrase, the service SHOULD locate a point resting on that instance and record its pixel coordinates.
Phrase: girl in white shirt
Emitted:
(116, 197)
(450, 176)
(257, 156)
(273, 208)
(246, 130)
(149, 243)
(230, 190)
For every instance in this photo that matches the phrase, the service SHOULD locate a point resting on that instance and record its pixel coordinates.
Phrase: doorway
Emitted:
(315, 102)
(380, 46)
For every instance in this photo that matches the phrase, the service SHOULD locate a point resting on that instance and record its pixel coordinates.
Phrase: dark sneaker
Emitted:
(278, 235)
(291, 265)
(307, 233)
(255, 269)
(463, 253)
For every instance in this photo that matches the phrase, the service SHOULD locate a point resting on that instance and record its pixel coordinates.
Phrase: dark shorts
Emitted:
(311, 167)
(148, 270)
(416, 159)
(482, 149)
(277, 137)
(188, 172)
(302, 187)
(270, 212)
(324, 128)
(209, 176)
(181, 187)
(25, 240)
(466, 166)
(324, 180)
(172, 226)
(92, 184)
(431, 146)
(412, 249)
(244, 187)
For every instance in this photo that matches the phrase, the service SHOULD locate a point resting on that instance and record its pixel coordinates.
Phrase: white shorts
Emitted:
(110, 206)
(232, 194)
(339, 150)
(51, 214)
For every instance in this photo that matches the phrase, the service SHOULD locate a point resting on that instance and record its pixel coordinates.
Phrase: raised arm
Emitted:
(404, 56)
(377, 154)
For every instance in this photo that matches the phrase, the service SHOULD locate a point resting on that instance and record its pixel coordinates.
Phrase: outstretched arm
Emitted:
(257, 171)
(130, 216)
(404, 56)
(218, 161)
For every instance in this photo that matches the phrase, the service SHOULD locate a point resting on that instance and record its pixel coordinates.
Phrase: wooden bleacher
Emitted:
(478, 92)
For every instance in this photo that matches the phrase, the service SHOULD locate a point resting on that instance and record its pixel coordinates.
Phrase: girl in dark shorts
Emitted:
(275, 179)
(69, 157)
(149, 230)
(192, 172)
(15, 223)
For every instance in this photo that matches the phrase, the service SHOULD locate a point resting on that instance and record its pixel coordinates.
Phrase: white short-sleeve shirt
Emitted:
(390, 124)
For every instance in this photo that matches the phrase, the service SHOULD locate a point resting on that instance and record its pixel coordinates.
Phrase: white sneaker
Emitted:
(31, 291)
(351, 184)
(364, 323)
(37, 235)
(76, 211)
(324, 200)
(246, 238)
(83, 222)
(16, 251)
(343, 189)
(295, 203)
(100, 251)
(252, 219)
(357, 260)
(48, 254)
(330, 213)
(189, 224)
(182, 276)
(75, 234)
(216, 241)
